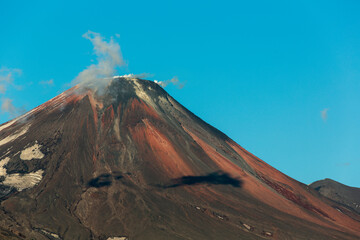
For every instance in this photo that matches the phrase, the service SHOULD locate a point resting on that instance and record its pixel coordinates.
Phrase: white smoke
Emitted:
(175, 81)
(109, 58)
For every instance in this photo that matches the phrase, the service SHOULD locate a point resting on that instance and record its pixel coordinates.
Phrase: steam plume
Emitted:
(174, 81)
(109, 58)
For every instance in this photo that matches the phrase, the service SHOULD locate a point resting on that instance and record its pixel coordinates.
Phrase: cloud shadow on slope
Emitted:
(104, 180)
(215, 178)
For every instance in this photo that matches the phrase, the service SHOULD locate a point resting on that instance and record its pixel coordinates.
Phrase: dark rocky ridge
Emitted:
(133, 162)
(348, 196)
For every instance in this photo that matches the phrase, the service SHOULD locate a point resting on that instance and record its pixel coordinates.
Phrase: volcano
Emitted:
(130, 162)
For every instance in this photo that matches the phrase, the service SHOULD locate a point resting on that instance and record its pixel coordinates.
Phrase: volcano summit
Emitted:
(132, 163)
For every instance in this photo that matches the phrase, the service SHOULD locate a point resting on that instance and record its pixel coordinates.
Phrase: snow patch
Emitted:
(248, 227)
(54, 235)
(125, 76)
(142, 94)
(117, 238)
(21, 182)
(268, 234)
(14, 136)
(117, 128)
(32, 152)
(3, 162)
(7, 125)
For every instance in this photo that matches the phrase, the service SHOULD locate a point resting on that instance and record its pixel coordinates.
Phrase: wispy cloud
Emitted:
(109, 58)
(7, 78)
(8, 107)
(324, 114)
(343, 164)
(47, 83)
(175, 81)
(2, 89)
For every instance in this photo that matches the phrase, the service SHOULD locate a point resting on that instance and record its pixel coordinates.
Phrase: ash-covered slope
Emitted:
(349, 196)
(132, 162)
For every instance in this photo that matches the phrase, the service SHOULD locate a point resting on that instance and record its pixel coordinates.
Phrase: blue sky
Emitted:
(260, 71)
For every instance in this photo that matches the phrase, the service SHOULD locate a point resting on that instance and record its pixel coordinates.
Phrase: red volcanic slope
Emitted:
(134, 163)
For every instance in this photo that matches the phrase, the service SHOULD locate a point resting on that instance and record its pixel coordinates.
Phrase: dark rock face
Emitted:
(134, 163)
(348, 196)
